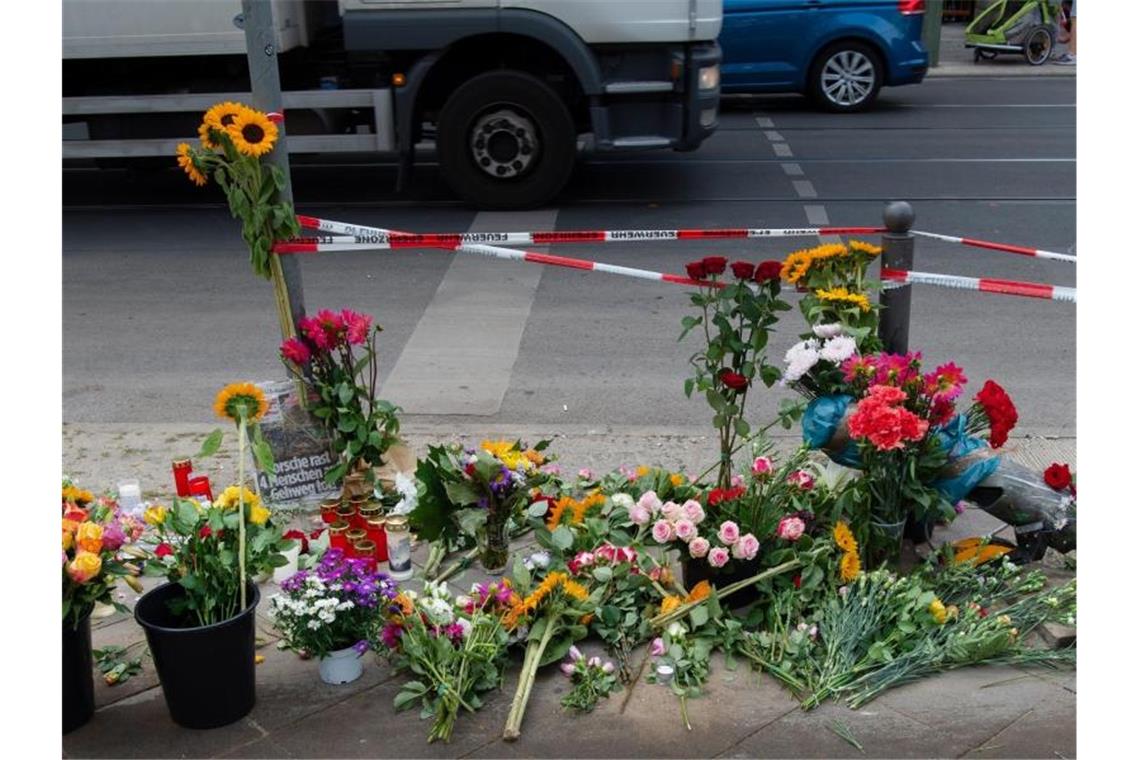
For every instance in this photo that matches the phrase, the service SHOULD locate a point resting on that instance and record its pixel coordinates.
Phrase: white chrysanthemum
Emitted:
(800, 358)
(438, 611)
(837, 349)
(827, 331)
(622, 500)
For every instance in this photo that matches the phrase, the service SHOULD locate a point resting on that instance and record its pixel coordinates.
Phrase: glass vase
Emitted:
(494, 546)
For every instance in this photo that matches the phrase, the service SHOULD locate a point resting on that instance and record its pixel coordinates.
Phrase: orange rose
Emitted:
(89, 537)
(84, 567)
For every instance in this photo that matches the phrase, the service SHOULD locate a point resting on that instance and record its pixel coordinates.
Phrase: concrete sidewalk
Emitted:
(956, 60)
(974, 712)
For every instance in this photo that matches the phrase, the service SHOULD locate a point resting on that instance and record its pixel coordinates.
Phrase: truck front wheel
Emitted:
(506, 140)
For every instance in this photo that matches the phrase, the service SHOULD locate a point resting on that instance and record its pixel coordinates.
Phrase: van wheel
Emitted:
(506, 140)
(846, 77)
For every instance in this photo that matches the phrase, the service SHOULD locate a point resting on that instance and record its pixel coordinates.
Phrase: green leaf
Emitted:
(742, 428)
(537, 509)
(211, 444)
(689, 382)
(603, 574)
(699, 616)
(345, 393)
(411, 691)
(264, 456)
(562, 538)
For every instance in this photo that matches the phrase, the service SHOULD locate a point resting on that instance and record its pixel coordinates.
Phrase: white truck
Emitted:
(510, 91)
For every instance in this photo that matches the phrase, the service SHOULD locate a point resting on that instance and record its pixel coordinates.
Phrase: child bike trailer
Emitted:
(1027, 27)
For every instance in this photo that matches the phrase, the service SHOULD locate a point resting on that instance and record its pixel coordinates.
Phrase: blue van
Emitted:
(838, 52)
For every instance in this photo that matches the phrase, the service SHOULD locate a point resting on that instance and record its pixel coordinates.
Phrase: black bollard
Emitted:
(898, 253)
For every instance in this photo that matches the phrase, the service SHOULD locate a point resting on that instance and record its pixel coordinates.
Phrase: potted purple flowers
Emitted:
(333, 612)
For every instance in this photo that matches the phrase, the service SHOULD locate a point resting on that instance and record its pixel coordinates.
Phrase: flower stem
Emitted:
(241, 508)
(663, 620)
(534, 650)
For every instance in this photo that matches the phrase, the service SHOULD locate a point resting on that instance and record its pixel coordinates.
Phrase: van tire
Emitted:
(847, 58)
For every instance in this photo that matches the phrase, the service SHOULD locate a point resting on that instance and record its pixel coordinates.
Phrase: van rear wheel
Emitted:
(846, 77)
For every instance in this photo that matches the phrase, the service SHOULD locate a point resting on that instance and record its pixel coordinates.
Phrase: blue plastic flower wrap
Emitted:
(971, 460)
(822, 419)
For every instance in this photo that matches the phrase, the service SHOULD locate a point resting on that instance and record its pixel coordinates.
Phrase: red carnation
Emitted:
(205, 532)
(797, 581)
(999, 408)
(163, 550)
(696, 270)
(733, 380)
(714, 264)
(718, 495)
(743, 270)
(767, 270)
(1058, 477)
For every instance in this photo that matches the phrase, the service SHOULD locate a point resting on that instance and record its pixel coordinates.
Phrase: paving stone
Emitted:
(1057, 636)
(971, 704)
(140, 726)
(1046, 730)
(881, 731)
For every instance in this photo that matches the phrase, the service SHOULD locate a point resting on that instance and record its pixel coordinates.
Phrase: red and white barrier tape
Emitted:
(1004, 247)
(372, 235)
(983, 284)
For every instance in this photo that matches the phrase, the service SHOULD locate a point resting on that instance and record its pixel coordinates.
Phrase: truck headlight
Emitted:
(709, 77)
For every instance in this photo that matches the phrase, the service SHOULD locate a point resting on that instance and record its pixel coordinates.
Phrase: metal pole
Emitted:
(265, 83)
(898, 253)
(932, 30)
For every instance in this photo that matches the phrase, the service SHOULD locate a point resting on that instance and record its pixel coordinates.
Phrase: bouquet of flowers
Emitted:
(480, 492)
(95, 533)
(339, 604)
(593, 681)
(833, 277)
(199, 548)
(334, 354)
(234, 137)
(737, 316)
(456, 653)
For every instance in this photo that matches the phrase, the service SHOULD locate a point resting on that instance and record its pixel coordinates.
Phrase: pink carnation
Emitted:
(663, 532)
(718, 557)
(729, 532)
(746, 548)
(802, 479)
(698, 547)
(694, 511)
(790, 528)
(657, 648)
(685, 530)
(762, 467)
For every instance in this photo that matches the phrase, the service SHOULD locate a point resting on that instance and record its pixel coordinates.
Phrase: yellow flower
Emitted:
(575, 590)
(84, 567)
(239, 400)
(186, 161)
(232, 495)
(534, 457)
(844, 538)
(642, 471)
(497, 449)
(841, 295)
(670, 603)
(677, 479)
(938, 611)
(578, 509)
(556, 512)
(253, 134)
(699, 592)
(861, 247)
(77, 495)
(258, 515)
(849, 567)
(68, 539)
(89, 537)
(222, 115)
(155, 515)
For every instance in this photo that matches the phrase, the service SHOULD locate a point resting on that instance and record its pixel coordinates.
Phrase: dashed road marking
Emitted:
(792, 170)
(782, 150)
(764, 122)
(774, 136)
(804, 188)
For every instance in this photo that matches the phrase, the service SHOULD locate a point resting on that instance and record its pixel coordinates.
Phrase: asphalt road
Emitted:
(160, 308)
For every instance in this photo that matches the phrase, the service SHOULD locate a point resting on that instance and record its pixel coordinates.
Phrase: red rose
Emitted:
(714, 264)
(733, 380)
(767, 270)
(163, 550)
(205, 532)
(1058, 477)
(696, 270)
(797, 581)
(743, 270)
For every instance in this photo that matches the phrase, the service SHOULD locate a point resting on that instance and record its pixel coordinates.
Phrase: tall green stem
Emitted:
(534, 651)
(241, 508)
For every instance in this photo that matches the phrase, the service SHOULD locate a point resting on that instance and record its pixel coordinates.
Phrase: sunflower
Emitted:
(230, 497)
(575, 590)
(860, 247)
(186, 161)
(841, 295)
(670, 603)
(77, 496)
(849, 567)
(241, 400)
(252, 132)
(578, 509)
(844, 538)
(556, 512)
(218, 118)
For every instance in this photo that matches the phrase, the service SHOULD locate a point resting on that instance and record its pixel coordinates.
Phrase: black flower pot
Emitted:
(206, 672)
(693, 571)
(78, 681)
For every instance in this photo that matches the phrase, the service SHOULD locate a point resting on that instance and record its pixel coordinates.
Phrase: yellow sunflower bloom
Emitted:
(575, 590)
(77, 495)
(252, 133)
(670, 603)
(221, 115)
(866, 248)
(841, 295)
(239, 400)
(844, 538)
(849, 567)
(186, 161)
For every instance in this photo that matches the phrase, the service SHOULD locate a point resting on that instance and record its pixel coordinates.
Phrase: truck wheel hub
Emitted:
(504, 143)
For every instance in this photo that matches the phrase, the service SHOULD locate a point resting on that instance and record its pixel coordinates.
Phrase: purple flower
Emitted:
(361, 647)
(391, 634)
(657, 648)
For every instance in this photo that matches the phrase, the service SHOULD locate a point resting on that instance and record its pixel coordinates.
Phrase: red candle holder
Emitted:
(366, 550)
(338, 538)
(181, 469)
(378, 536)
(328, 510)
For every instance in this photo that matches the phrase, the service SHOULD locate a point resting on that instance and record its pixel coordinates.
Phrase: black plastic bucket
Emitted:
(207, 672)
(78, 681)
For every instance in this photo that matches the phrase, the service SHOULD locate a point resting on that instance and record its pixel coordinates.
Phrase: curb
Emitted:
(1047, 70)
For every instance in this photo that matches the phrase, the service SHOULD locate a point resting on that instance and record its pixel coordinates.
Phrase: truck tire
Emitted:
(506, 141)
(846, 77)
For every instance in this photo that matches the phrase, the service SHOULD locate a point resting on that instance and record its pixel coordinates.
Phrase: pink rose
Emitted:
(585, 474)
(585, 559)
(640, 515)
(694, 511)
(626, 554)
(718, 557)
(802, 479)
(650, 501)
(606, 552)
(761, 467)
(790, 528)
(685, 529)
(657, 648)
(663, 531)
(737, 481)
(671, 510)
(729, 532)
(746, 548)
(698, 547)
